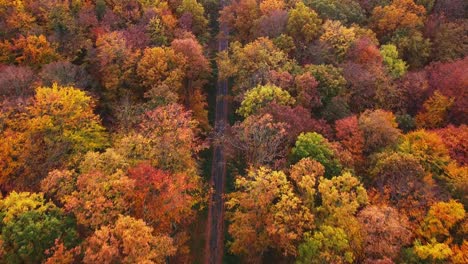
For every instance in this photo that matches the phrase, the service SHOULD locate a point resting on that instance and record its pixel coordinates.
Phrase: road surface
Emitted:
(215, 229)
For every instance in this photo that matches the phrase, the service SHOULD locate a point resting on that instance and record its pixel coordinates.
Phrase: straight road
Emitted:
(215, 229)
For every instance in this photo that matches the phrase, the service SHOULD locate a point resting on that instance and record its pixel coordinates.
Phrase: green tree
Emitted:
(395, 66)
(199, 22)
(303, 23)
(346, 11)
(327, 245)
(260, 96)
(30, 225)
(331, 82)
(342, 196)
(413, 47)
(315, 146)
(250, 65)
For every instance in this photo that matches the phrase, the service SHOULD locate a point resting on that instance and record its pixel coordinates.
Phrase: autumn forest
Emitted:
(233, 131)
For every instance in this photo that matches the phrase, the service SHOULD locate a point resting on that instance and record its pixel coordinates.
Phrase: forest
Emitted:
(233, 131)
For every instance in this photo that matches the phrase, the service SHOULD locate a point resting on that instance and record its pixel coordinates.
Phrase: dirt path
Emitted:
(215, 229)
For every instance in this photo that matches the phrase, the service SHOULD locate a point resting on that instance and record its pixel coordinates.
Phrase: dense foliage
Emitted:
(347, 139)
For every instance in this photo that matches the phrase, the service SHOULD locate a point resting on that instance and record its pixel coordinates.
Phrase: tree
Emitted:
(346, 11)
(338, 37)
(327, 245)
(401, 178)
(58, 184)
(440, 219)
(315, 146)
(197, 65)
(351, 137)
(400, 14)
(307, 94)
(32, 50)
(365, 51)
(115, 63)
(109, 162)
(197, 70)
(30, 225)
(306, 174)
(414, 87)
(449, 78)
(413, 47)
(192, 17)
(260, 96)
(386, 232)
(451, 9)
(298, 120)
(100, 198)
(162, 66)
(273, 21)
(428, 148)
(167, 137)
(380, 130)
(435, 231)
(331, 82)
(66, 113)
(129, 240)
(59, 254)
(455, 139)
(456, 180)
(258, 140)
(128, 10)
(64, 73)
(16, 82)
(56, 127)
(341, 198)
(251, 65)
(435, 111)
(162, 200)
(395, 66)
(449, 42)
(241, 16)
(303, 23)
(265, 213)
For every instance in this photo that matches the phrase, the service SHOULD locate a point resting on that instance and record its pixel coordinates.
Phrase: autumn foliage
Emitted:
(318, 131)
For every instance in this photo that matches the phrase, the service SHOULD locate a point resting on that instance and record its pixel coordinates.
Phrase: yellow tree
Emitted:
(342, 197)
(338, 36)
(436, 231)
(162, 69)
(435, 111)
(265, 213)
(57, 127)
(303, 23)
